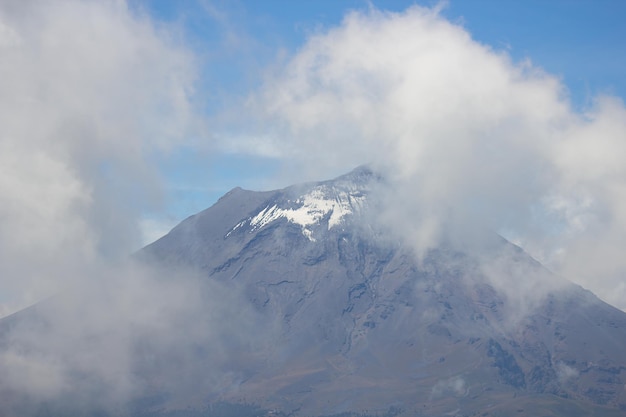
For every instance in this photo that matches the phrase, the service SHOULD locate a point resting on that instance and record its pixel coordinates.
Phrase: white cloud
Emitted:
(126, 331)
(454, 386)
(90, 92)
(565, 372)
(467, 136)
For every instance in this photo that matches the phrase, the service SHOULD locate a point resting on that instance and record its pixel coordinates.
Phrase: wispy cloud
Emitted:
(91, 91)
(467, 136)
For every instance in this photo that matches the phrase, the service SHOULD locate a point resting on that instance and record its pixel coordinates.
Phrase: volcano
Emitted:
(345, 318)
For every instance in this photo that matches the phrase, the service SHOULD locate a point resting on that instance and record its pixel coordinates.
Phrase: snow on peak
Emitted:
(322, 201)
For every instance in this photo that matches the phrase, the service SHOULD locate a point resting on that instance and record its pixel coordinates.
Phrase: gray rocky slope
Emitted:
(359, 323)
(334, 315)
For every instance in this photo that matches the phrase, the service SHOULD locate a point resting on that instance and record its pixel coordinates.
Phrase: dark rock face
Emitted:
(357, 324)
(508, 369)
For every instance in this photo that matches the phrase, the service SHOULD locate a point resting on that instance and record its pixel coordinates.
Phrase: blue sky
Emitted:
(582, 42)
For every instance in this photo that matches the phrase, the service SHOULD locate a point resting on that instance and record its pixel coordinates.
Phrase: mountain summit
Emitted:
(363, 324)
(325, 313)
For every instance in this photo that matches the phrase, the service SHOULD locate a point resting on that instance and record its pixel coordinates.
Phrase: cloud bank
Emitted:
(91, 93)
(468, 137)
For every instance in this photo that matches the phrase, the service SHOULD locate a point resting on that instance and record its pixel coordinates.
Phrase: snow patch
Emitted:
(237, 226)
(310, 209)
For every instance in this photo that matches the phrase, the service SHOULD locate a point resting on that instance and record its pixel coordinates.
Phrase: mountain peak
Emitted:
(310, 205)
(298, 312)
(359, 319)
(361, 174)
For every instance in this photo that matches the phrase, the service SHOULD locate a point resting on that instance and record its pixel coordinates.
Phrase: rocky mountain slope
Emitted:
(364, 325)
(342, 318)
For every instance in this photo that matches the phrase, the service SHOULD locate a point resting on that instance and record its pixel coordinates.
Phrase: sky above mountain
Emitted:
(120, 118)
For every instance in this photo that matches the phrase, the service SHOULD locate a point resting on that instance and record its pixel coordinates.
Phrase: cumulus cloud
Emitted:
(130, 332)
(467, 136)
(91, 92)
